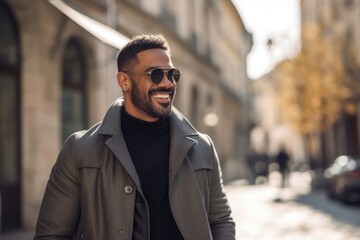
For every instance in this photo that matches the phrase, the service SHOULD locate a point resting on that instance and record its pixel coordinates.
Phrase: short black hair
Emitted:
(139, 43)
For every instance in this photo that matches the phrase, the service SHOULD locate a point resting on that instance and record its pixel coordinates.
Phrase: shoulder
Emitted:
(83, 137)
(81, 147)
(204, 145)
(203, 154)
(204, 142)
(87, 147)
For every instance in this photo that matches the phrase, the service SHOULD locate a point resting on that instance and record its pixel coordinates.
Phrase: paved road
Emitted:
(264, 212)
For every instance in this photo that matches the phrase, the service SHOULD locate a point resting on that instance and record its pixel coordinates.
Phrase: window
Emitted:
(194, 115)
(100, 2)
(192, 24)
(134, 2)
(9, 120)
(348, 3)
(73, 99)
(168, 14)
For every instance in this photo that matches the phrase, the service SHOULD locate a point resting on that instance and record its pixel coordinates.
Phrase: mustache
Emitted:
(162, 90)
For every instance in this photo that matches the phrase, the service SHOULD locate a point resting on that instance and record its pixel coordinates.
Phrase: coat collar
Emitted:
(111, 126)
(182, 135)
(182, 139)
(111, 123)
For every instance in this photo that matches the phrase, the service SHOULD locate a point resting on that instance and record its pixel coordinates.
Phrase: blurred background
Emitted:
(280, 103)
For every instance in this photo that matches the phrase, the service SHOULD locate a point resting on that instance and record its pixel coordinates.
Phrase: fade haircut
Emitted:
(127, 56)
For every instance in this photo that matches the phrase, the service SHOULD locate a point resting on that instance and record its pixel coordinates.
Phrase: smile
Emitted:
(161, 95)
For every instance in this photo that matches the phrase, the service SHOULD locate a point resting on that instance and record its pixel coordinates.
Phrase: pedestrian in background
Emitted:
(282, 160)
(143, 172)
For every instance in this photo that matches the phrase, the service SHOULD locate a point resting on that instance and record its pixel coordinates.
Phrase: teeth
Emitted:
(161, 96)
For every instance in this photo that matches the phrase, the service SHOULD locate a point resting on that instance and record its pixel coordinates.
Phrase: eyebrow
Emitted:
(150, 68)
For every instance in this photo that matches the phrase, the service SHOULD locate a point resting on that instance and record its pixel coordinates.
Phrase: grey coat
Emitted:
(91, 193)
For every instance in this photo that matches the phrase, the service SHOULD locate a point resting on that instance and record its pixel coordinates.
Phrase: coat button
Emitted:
(128, 189)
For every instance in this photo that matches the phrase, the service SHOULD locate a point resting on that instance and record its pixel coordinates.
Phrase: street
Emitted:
(266, 212)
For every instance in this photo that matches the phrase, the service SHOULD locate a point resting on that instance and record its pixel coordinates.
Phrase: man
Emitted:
(142, 173)
(282, 159)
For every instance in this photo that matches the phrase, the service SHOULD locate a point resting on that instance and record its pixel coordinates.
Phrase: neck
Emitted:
(132, 110)
(138, 127)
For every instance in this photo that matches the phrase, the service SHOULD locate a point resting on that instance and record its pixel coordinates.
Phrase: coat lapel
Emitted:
(111, 126)
(181, 142)
(179, 146)
(118, 146)
(184, 193)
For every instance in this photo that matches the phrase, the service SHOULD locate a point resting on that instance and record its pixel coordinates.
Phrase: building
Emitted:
(57, 75)
(339, 19)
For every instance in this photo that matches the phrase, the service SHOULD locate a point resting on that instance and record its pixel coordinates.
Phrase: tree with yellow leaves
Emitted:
(315, 87)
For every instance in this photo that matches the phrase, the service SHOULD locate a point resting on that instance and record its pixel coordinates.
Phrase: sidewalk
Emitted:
(266, 212)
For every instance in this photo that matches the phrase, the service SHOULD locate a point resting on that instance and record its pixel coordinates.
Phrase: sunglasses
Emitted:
(157, 74)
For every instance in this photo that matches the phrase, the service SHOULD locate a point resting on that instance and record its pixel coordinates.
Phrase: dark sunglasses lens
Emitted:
(174, 75)
(157, 75)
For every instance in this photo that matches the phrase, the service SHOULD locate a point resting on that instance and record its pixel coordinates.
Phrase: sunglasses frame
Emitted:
(164, 71)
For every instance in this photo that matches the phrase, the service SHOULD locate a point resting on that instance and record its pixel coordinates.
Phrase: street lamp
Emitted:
(211, 119)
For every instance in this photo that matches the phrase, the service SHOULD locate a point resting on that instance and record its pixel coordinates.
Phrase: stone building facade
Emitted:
(57, 75)
(339, 19)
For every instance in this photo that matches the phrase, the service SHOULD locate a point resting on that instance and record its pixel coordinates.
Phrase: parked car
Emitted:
(343, 178)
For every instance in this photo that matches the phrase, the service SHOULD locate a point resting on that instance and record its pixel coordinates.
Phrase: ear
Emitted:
(123, 81)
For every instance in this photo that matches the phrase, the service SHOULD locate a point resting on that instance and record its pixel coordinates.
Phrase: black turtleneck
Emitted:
(149, 146)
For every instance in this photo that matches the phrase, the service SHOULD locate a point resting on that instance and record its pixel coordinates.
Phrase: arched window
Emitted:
(9, 120)
(74, 89)
(168, 14)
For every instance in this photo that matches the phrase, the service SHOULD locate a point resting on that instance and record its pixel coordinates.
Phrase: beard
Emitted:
(143, 101)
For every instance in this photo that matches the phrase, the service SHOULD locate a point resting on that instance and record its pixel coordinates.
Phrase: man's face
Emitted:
(148, 101)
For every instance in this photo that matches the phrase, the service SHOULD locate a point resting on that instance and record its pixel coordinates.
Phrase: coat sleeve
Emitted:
(221, 222)
(60, 207)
